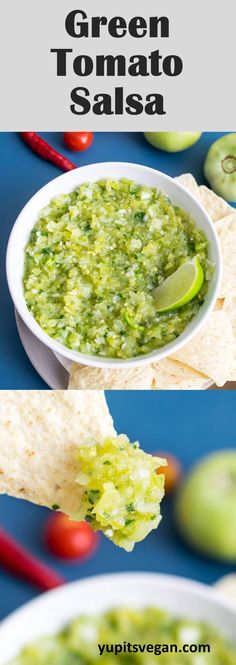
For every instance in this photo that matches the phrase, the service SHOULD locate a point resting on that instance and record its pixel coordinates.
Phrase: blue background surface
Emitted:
(23, 173)
(188, 424)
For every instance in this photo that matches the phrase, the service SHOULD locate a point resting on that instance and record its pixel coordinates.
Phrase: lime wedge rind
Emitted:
(180, 287)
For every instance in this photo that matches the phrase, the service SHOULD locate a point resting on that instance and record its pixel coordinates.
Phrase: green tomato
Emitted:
(220, 167)
(206, 506)
(172, 141)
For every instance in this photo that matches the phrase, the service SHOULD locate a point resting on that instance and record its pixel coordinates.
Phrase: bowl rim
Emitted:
(178, 583)
(100, 361)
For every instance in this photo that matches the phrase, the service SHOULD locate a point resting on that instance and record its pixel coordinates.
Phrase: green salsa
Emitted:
(95, 257)
(78, 643)
(122, 490)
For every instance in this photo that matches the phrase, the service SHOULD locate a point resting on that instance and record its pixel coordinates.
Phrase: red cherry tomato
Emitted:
(78, 141)
(70, 540)
(172, 472)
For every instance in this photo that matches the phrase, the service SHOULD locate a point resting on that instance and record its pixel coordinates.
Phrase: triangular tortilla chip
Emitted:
(135, 378)
(214, 205)
(230, 308)
(228, 246)
(228, 222)
(170, 374)
(188, 181)
(40, 432)
(211, 351)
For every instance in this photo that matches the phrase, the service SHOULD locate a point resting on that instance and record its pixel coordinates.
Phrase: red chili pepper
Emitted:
(18, 561)
(44, 150)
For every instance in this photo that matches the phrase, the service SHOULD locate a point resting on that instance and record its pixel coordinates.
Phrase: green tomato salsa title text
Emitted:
(79, 26)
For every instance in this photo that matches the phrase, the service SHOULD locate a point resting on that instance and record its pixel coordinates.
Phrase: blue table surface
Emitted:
(23, 173)
(188, 424)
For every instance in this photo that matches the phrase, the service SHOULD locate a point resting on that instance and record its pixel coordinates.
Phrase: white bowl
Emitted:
(49, 613)
(68, 182)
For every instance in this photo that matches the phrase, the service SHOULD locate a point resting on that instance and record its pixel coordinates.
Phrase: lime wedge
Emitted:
(181, 287)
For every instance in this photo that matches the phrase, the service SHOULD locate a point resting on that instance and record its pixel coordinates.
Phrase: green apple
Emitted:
(206, 506)
(172, 141)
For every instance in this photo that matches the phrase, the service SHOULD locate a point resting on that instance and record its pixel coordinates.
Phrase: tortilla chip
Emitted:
(219, 303)
(137, 378)
(188, 181)
(40, 432)
(232, 376)
(228, 246)
(214, 205)
(170, 374)
(230, 308)
(226, 223)
(211, 351)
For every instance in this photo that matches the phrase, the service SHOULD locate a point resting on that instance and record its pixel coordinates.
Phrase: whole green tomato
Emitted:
(172, 141)
(206, 506)
(220, 167)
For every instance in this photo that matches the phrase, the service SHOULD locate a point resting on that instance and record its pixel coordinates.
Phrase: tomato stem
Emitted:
(229, 164)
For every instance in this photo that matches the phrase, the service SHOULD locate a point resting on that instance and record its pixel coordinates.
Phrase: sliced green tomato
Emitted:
(181, 287)
(122, 491)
